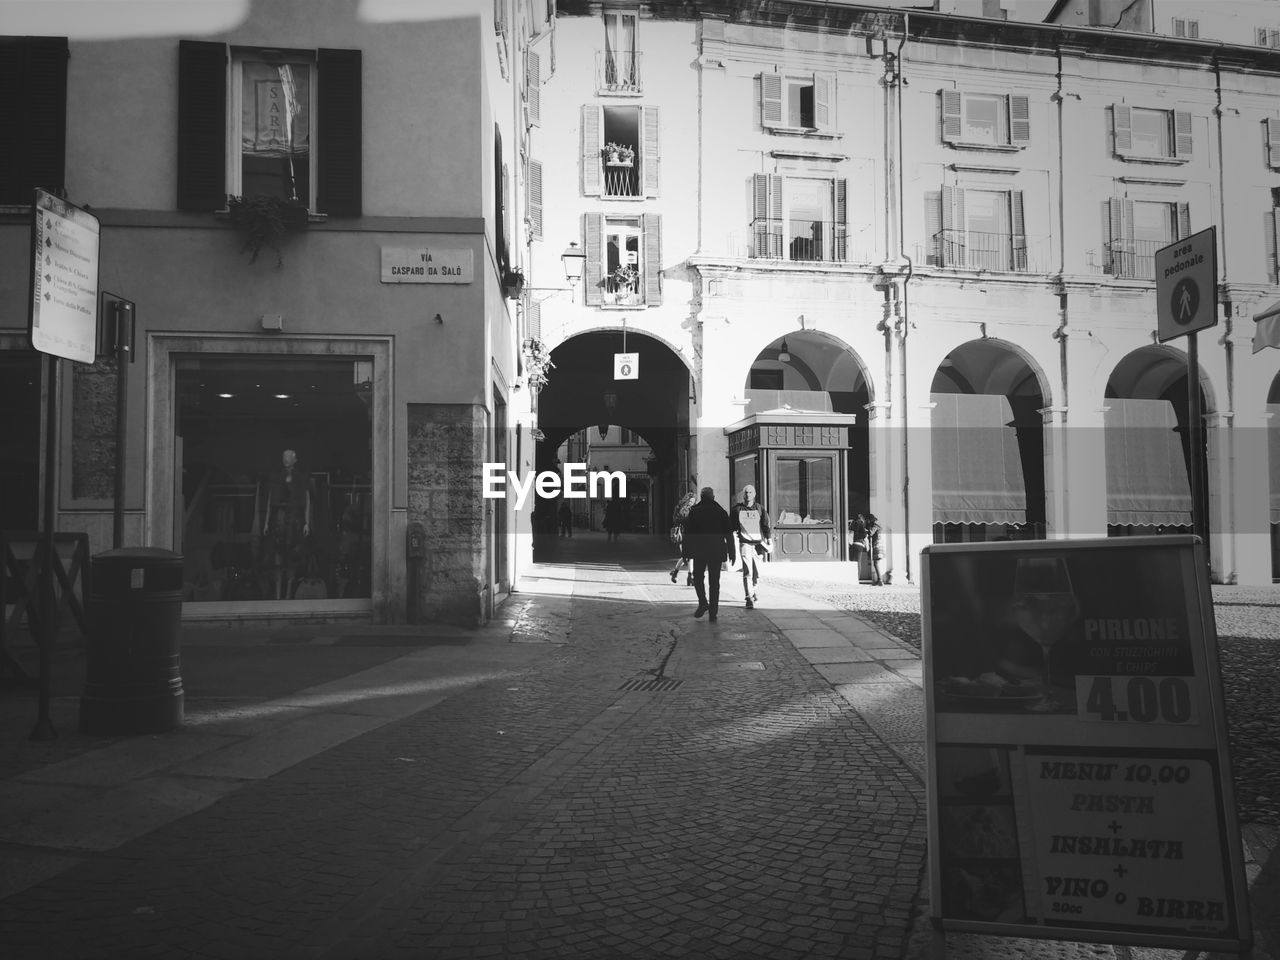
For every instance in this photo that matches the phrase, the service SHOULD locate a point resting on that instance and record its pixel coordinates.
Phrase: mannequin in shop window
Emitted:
(287, 523)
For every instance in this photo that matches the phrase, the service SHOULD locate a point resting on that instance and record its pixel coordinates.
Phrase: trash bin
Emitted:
(133, 682)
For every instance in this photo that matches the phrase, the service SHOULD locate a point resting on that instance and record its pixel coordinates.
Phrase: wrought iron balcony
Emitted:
(618, 71)
(1132, 259)
(973, 250)
(805, 240)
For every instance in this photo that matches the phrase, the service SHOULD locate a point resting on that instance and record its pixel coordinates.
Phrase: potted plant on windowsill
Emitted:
(618, 154)
(624, 283)
(513, 284)
(264, 221)
(537, 361)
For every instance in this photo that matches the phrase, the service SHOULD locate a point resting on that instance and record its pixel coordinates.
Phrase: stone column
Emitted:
(1054, 421)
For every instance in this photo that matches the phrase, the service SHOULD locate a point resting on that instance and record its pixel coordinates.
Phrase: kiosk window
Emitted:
(805, 490)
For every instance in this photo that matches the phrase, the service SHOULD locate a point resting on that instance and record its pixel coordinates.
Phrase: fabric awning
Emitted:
(1147, 480)
(1273, 459)
(977, 471)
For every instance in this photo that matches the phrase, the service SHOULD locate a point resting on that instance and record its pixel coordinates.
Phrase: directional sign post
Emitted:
(1187, 301)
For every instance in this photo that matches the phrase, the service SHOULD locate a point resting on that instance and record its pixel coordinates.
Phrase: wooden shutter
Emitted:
(593, 269)
(533, 320)
(534, 197)
(771, 100)
(1184, 221)
(533, 81)
(1019, 119)
(953, 227)
(1273, 142)
(932, 228)
(592, 174)
(1120, 231)
(1182, 138)
(1122, 128)
(952, 114)
(202, 125)
(1019, 230)
(651, 223)
(841, 252)
(822, 87)
(766, 215)
(33, 116)
(1273, 243)
(338, 122)
(649, 151)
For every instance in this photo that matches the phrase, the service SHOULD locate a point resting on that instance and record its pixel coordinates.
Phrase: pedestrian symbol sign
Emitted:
(1186, 285)
(626, 366)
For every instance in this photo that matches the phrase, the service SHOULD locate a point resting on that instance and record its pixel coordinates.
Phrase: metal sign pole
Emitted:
(122, 314)
(48, 602)
(1195, 415)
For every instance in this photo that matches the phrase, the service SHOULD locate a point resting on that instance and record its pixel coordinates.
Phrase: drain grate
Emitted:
(658, 683)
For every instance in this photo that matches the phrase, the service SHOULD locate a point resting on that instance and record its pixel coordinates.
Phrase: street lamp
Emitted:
(574, 260)
(783, 355)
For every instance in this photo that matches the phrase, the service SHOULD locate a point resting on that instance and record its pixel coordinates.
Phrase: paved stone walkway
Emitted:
(594, 775)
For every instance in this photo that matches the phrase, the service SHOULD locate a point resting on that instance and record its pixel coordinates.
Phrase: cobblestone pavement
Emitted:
(594, 775)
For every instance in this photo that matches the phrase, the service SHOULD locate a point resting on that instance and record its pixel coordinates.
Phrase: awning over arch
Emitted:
(1147, 482)
(977, 470)
(1273, 459)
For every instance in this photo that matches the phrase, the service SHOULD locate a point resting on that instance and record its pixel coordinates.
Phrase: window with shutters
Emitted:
(1271, 130)
(620, 151)
(985, 120)
(624, 260)
(1136, 229)
(253, 130)
(975, 228)
(796, 102)
(533, 88)
(799, 218)
(33, 116)
(1183, 27)
(618, 64)
(533, 199)
(1267, 37)
(1150, 135)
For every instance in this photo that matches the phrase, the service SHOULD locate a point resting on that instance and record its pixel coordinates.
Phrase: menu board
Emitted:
(64, 279)
(1079, 782)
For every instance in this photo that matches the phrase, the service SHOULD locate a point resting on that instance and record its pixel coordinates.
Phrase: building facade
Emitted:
(319, 232)
(941, 227)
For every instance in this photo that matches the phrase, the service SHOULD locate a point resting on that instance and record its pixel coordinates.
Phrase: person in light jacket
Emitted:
(752, 527)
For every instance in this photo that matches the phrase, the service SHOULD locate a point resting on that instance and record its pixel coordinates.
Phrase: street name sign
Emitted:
(626, 366)
(1080, 786)
(1186, 285)
(64, 279)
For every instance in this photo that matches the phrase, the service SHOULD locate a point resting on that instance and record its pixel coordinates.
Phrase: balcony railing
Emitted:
(621, 179)
(618, 71)
(973, 250)
(1132, 259)
(806, 240)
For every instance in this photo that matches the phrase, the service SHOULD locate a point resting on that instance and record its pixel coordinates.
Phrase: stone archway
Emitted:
(988, 445)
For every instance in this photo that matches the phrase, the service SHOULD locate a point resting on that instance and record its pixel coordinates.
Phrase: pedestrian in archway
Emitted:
(612, 518)
(678, 517)
(708, 540)
(566, 520)
(875, 543)
(751, 525)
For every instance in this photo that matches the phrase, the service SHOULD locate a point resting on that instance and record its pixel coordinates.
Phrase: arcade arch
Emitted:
(987, 444)
(1148, 450)
(583, 404)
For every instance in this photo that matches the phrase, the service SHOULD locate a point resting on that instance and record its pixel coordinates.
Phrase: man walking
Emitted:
(754, 532)
(708, 540)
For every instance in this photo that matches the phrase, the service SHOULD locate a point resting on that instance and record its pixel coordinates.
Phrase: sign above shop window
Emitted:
(426, 265)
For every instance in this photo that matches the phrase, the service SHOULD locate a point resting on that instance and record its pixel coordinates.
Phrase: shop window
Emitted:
(624, 260)
(1152, 135)
(275, 498)
(796, 101)
(805, 490)
(799, 218)
(985, 119)
(33, 116)
(252, 130)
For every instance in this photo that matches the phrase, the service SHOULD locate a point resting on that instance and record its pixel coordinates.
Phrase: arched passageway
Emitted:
(641, 424)
(987, 444)
(1148, 444)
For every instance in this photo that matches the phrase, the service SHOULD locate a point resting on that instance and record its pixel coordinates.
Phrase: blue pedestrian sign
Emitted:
(1186, 285)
